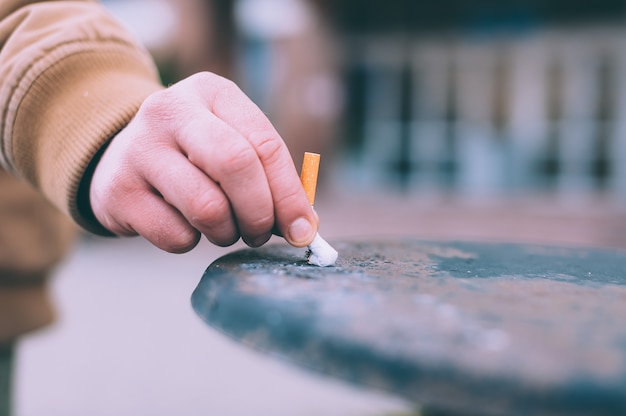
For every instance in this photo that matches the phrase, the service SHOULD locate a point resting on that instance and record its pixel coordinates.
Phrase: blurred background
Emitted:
(491, 120)
(499, 113)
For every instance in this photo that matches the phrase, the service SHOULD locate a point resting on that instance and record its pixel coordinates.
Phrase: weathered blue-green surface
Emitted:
(461, 327)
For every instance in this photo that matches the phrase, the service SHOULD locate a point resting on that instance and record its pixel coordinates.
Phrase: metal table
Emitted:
(458, 327)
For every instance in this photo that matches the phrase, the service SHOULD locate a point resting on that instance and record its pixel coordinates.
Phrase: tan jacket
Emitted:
(70, 78)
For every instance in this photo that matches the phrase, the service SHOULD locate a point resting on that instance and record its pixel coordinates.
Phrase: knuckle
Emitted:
(207, 211)
(220, 86)
(154, 106)
(260, 225)
(290, 197)
(269, 148)
(239, 161)
(225, 85)
(167, 107)
(204, 77)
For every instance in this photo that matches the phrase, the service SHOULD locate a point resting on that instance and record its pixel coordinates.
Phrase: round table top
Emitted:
(455, 326)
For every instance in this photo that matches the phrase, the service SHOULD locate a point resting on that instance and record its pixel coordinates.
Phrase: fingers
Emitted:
(228, 159)
(147, 214)
(200, 157)
(200, 200)
(162, 225)
(293, 215)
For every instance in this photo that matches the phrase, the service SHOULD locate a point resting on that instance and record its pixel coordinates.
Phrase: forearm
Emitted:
(70, 78)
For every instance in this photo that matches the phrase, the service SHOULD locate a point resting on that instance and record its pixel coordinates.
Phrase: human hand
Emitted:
(201, 158)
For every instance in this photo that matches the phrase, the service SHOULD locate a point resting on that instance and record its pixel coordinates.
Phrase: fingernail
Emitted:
(301, 231)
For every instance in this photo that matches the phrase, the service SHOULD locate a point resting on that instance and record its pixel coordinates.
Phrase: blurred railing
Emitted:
(544, 111)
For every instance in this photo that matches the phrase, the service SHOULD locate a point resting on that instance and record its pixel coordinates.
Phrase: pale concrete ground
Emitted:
(128, 343)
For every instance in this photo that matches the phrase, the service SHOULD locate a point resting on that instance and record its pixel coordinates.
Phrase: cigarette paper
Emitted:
(308, 175)
(319, 252)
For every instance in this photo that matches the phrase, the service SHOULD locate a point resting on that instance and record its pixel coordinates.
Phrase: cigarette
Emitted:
(319, 252)
(308, 175)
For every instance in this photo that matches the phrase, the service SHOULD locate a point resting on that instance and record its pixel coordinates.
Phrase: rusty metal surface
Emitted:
(461, 327)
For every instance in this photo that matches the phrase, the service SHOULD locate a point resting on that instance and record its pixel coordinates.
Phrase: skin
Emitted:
(200, 158)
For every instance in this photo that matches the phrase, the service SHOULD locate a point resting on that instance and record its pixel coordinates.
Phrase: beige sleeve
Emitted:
(70, 78)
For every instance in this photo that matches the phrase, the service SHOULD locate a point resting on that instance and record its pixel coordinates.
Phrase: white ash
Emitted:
(320, 253)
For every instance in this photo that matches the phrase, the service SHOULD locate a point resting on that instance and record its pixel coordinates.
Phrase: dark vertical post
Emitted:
(404, 164)
(6, 374)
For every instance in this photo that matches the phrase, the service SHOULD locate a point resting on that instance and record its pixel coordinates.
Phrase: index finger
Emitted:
(294, 216)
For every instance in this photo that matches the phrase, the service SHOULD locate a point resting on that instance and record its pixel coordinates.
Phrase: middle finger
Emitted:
(226, 157)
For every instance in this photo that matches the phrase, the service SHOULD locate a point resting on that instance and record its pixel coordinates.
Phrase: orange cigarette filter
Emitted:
(308, 175)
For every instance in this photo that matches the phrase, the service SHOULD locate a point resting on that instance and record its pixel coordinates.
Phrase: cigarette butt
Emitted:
(308, 175)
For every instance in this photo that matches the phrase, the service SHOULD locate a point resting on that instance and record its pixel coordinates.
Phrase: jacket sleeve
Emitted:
(70, 78)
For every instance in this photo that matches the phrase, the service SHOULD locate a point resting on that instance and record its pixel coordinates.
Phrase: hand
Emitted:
(201, 158)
